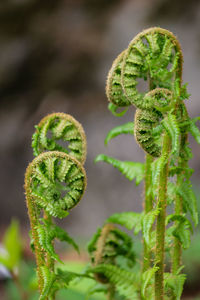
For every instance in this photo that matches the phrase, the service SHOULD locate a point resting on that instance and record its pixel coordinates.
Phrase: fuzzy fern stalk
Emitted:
(161, 127)
(54, 183)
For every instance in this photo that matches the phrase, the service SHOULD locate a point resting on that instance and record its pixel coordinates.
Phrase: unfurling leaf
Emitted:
(122, 129)
(131, 170)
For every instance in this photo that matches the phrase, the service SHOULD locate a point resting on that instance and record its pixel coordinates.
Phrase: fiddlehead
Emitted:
(147, 120)
(108, 243)
(155, 55)
(54, 183)
(61, 128)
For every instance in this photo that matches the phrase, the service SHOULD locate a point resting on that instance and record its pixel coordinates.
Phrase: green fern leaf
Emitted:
(175, 283)
(131, 170)
(126, 283)
(147, 223)
(171, 126)
(48, 279)
(47, 233)
(189, 200)
(113, 109)
(122, 129)
(147, 277)
(194, 130)
(181, 230)
(128, 219)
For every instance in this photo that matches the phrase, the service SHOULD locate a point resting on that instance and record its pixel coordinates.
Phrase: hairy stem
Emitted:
(111, 292)
(38, 251)
(148, 206)
(160, 225)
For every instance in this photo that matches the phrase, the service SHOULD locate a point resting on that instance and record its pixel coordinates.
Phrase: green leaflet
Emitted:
(48, 278)
(113, 108)
(147, 223)
(189, 199)
(147, 279)
(126, 283)
(194, 130)
(181, 230)
(47, 233)
(171, 126)
(122, 129)
(175, 282)
(157, 167)
(128, 219)
(131, 170)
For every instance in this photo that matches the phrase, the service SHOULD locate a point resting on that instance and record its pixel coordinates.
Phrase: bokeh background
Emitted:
(54, 57)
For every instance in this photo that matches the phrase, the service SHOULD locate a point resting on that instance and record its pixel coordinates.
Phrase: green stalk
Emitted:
(39, 254)
(148, 206)
(178, 209)
(160, 225)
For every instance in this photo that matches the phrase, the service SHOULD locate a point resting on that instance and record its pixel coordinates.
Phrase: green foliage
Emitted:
(147, 223)
(161, 128)
(194, 130)
(175, 282)
(47, 233)
(12, 244)
(122, 129)
(113, 109)
(130, 169)
(55, 182)
(189, 199)
(129, 220)
(171, 126)
(147, 279)
(126, 283)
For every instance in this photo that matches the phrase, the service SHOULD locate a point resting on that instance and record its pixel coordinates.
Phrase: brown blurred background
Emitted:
(54, 56)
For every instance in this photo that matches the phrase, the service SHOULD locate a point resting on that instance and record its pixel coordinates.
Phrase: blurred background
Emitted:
(54, 57)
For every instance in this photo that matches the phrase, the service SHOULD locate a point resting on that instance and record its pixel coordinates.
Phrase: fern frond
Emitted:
(113, 109)
(181, 230)
(47, 233)
(147, 279)
(48, 194)
(171, 126)
(61, 127)
(131, 170)
(126, 283)
(128, 219)
(48, 279)
(194, 130)
(147, 223)
(189, 199)
(122, 129)
(175, 282)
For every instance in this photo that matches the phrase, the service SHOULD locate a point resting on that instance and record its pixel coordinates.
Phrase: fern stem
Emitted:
(49, 260)
(160, 225)
(39, 255)
(148, 206)
(111, 292)
(178, 209)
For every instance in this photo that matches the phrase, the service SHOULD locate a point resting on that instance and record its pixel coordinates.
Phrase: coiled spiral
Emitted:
(55, 182)
(154, 55)
(108, 244)
(56, 130)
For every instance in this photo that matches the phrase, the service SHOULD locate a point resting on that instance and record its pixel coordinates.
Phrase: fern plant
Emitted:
(161, 128)
(55, 181)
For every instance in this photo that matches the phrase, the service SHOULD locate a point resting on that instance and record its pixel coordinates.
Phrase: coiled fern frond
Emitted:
(55, 182)
(55, 131)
